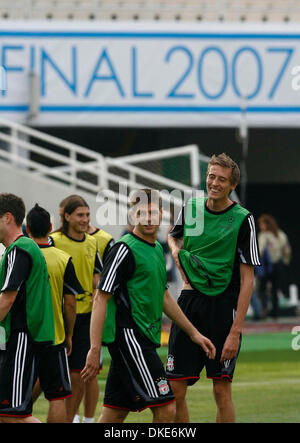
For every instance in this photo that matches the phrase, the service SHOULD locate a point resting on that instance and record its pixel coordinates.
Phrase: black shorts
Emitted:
(80, 343)
(136, 378)
(17, 376)
(213, 317)
(53, 372)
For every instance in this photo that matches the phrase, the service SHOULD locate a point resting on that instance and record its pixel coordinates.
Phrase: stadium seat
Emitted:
(201, 10)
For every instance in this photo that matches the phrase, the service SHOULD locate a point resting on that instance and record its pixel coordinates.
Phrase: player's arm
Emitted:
(7, 299)
(173, 311)
(98, 267)
(249, 257)
(231, 344)
(175, 242)
(118, 267)
(18, 266)
(96, 330)
(71, 288)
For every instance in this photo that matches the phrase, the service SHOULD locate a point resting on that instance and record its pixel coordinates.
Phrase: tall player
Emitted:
(73, 239)
(217, 263)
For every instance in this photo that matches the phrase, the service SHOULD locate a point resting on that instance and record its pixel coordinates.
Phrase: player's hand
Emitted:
(231, 347)
(205, 343)
(69, 345)
(91, 365)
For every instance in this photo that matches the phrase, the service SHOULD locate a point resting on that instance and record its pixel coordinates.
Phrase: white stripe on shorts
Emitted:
(138, 358)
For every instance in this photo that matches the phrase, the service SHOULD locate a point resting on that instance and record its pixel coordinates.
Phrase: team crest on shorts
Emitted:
(170, 363)
(163, 387)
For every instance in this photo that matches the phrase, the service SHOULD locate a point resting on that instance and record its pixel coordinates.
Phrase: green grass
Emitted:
(266, 386)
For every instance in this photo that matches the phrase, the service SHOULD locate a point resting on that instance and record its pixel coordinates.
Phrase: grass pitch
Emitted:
(266, 386)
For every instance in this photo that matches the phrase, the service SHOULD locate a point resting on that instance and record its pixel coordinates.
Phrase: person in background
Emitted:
(274, 246)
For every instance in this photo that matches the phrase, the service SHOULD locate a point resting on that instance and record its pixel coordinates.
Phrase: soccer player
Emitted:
(52, 365)
(104, 239)
(132, 293)
(82, 247)
(26, 312)
(216, 260)
(104, 242)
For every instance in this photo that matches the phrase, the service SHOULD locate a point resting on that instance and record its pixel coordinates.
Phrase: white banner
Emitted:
(150, 74)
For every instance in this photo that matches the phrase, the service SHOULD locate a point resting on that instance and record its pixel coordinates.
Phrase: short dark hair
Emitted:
(38, 221)
(145, 196)
(13, 204)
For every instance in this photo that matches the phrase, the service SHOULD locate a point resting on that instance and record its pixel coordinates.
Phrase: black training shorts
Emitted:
(136, 378)
(81, 343)
(213, 317)
(53, 372)
(17, 376)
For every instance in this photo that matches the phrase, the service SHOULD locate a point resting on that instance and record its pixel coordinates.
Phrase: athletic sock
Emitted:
(88, 420)
(76, 419)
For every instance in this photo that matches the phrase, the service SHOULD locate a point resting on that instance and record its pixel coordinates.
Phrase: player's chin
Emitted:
(149, 229)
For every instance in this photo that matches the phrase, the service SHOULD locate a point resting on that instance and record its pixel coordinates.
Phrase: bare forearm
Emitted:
(243, 303)
(173, 311)
(6, 301)
(98, 318)
(70, 317)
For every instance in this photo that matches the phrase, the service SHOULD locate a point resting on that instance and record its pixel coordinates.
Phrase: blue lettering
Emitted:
(111, 77)
(4, 65)
(72, 85)
(289, 53)
(225, 70)
(173, 93)
(259, 69)
(134, 77)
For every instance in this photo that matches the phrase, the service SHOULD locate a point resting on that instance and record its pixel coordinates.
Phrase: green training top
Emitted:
(32, 310)
(209, 245)
(145, 287)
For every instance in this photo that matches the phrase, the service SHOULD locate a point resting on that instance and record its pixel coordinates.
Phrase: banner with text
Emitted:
(150, 74)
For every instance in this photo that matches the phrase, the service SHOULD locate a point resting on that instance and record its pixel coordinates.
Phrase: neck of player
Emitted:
(77, 235)
(218, 205)
(150, 238)
(12, 236)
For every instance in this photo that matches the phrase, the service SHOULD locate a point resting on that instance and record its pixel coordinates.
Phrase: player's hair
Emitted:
(65, 200)
(270, 223)
(143, 196)
(72, 203)
(38, 221)
(226, 162)
(13, 204)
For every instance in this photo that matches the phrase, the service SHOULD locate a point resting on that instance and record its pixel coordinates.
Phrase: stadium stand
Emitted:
(174, 10)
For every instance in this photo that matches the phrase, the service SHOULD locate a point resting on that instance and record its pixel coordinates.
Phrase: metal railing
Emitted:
(82, 169)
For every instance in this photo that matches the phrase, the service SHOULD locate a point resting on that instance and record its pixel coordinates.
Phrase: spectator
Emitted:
(274, 242)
